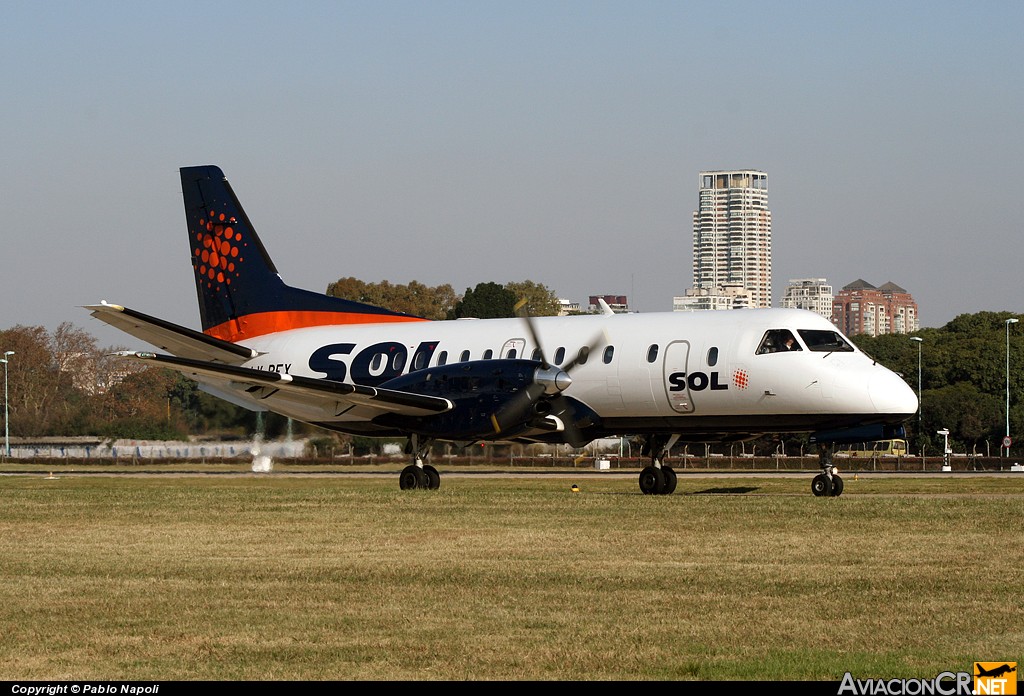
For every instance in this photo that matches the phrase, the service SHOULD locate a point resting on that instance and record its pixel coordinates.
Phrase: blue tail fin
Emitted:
(241, 294)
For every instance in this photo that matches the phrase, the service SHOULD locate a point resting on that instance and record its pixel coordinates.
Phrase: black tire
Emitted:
(837, 486)
(821, 485)
(652, 481)
(670, 480)
(412, 477)
(433, 478)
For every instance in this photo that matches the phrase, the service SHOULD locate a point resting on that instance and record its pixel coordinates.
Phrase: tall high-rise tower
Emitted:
(732, 235)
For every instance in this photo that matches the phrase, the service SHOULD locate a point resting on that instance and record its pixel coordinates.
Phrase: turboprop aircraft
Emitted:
(668, 377)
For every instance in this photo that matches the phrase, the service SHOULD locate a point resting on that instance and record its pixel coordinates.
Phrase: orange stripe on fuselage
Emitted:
(264, 323)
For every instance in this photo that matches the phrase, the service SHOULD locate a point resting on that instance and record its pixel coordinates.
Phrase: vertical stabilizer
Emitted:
(241, 294)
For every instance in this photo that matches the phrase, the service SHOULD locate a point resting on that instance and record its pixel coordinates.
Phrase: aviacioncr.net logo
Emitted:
(995, 678)
(944, 684)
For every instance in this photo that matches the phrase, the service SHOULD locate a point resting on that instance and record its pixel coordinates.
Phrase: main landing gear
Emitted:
(827, 483)
(657, 479)
(418, 474)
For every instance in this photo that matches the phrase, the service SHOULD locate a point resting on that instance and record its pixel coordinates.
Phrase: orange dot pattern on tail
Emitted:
(217, 251)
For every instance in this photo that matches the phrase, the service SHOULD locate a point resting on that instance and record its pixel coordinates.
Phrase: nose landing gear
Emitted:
(828, 483)
(657, 479)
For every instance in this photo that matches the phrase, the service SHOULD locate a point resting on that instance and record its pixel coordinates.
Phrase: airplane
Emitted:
(667, 377)
(994, 672)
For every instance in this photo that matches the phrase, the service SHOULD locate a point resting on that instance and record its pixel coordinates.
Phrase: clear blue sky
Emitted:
(464, 142)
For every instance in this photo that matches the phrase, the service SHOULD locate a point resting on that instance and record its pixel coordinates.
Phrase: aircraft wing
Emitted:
(175, 339)
(322, 398)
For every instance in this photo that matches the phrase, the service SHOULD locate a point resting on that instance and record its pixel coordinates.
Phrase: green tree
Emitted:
(415, 298)
(963, 377)
(485, 301)
(139, 406)
(971, 416)
(540, 301)
(42, 397)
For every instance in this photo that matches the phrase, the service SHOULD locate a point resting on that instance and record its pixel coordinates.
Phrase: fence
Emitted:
(143, 450)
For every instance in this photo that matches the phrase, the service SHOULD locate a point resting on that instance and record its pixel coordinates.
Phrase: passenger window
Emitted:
(778, 341)
(442, 358)
(583, 355)
(419, 360)
(488, 354)
(608, 353)
(511, 354)
(712, 357)
(652, 353)
(559, 356)
(464, 357)
(536, 354)
(377, 361)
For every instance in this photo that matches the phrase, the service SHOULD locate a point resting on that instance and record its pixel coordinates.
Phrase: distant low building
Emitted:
(618, 303)
(700, 299)
(567, 307)
(96, 373)
(814, 294)
(861, 308)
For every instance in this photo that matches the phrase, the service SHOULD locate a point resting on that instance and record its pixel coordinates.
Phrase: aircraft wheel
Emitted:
(412, 477)
(837, 486)
(821, 485)
(433, 478)
(670, 480)
(652, 480)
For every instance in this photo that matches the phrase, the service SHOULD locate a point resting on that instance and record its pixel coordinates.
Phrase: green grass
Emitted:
(277, 577)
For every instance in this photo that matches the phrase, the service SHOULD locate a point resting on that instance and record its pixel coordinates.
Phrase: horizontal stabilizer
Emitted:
(175, 339)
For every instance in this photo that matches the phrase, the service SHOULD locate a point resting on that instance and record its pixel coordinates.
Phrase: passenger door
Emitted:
(675, 373)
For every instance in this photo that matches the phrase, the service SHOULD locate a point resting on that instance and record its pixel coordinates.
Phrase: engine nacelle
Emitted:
(479, 389)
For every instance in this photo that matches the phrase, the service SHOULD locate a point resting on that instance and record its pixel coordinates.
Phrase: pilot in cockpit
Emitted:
(777, 341)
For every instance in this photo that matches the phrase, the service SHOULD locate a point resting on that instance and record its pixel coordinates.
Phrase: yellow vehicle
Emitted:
(881, 448)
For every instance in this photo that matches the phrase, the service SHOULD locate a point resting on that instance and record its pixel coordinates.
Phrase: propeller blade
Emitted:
(549, 381)
(520, 310)
(517, 409)
(581, 357)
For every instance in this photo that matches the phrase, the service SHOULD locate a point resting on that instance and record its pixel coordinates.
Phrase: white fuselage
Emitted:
(679, 372)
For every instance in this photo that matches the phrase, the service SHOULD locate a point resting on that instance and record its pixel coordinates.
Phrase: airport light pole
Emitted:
(1006, 440)
(6, 428)
(919, 341)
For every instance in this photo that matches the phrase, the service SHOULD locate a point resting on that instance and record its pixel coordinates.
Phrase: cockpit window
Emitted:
(778, 341)
(824, 341)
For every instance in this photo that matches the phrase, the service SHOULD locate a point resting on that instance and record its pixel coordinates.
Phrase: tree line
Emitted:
(963, 380)
(62, 383)
(485, 301)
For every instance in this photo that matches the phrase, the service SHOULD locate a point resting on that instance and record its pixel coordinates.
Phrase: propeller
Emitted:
(545, 390)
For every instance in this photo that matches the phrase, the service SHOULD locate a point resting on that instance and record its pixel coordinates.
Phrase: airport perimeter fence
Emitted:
(782, 464)
(297, 453)
(92, 451)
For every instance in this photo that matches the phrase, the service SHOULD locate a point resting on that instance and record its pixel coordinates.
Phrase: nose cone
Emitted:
(552, 379)
(890, 394)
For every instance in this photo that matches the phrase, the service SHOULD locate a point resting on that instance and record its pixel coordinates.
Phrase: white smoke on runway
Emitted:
(261, 463)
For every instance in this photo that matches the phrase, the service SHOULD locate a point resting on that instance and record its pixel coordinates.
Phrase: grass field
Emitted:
(277, 577)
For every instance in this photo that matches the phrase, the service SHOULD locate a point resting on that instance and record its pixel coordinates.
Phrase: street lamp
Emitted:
(919, 341)
(6, 428)
(1006, 440)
